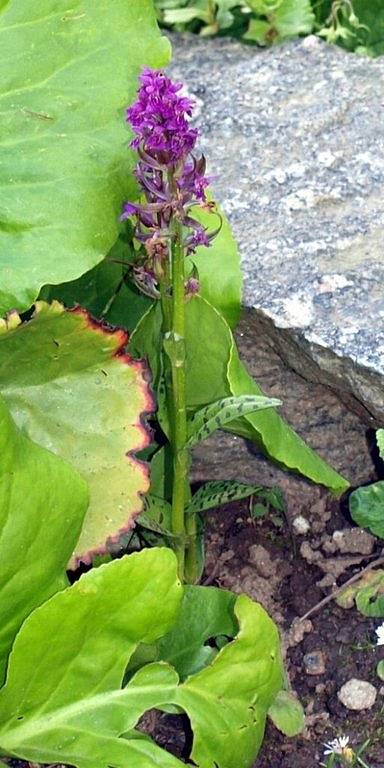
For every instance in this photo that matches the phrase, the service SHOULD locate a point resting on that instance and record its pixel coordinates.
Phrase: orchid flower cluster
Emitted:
(171, 177)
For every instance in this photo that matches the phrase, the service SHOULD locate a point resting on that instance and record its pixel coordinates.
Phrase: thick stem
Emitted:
(179, 437)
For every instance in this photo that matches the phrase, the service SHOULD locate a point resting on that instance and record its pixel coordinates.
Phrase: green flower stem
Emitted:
(174, 344)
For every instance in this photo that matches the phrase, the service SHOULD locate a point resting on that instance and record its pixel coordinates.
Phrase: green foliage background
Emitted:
(356, 25)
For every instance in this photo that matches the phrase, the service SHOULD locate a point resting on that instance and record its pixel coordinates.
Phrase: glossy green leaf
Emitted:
(42, 504)
(59, 706)
(62, 702)
(218, 492)
(380, 442)
(105, 291)
(206, 612)
(216, 415)
(73, 391)
(275, 436)
(219, 267)
(380, 669)
(227, 702)
(366, 505)
(287, 713)
(68, 71)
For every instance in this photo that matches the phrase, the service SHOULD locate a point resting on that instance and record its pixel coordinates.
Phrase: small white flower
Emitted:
(380, 634)
(336, 746)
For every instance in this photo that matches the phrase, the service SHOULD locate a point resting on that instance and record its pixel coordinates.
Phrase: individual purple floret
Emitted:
(172, 179)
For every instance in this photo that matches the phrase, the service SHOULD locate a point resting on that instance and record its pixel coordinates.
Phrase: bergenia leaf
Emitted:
(227, 702)
(68, 71)
(42, 504)
(74, 391)
(217, 415)
(206, 612)
(215, 493)
(62, 702)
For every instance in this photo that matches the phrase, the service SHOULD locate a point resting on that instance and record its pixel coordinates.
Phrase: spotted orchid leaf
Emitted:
(218, 492)
(72, 389)
(68, 70)
(43, 501)
(218, 414)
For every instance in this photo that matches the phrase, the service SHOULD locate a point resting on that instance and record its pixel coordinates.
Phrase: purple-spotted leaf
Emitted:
(71, 388)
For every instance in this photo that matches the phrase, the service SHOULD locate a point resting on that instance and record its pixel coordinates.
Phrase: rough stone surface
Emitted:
(294, 136)
(357, 694)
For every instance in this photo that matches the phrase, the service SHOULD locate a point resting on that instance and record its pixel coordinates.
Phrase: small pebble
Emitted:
(301, 525)
(357, 694)
(314, 663)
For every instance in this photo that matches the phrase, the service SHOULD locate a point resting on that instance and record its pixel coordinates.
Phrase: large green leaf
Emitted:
(70, 387)
(219, 267)
(105, 293)
(366, 505)
(63, 703)
(42, 504)
(68, 69)
(206, 612)
(214, 371)
(227, 702)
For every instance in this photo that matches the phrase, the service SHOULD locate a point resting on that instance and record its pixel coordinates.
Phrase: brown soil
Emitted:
(345, 638)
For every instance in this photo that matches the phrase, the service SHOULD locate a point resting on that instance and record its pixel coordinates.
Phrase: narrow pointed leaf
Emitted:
(68, 71)
(216, 415)
(42, 505)
(73, 390)
(218, 492)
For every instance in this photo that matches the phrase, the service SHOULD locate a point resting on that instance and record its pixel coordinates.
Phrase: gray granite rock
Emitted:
(294, 136)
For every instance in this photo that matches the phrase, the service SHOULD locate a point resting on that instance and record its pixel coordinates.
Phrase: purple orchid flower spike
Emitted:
(171, 178)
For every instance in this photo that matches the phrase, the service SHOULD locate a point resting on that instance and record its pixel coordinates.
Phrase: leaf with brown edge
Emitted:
(72, 389)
